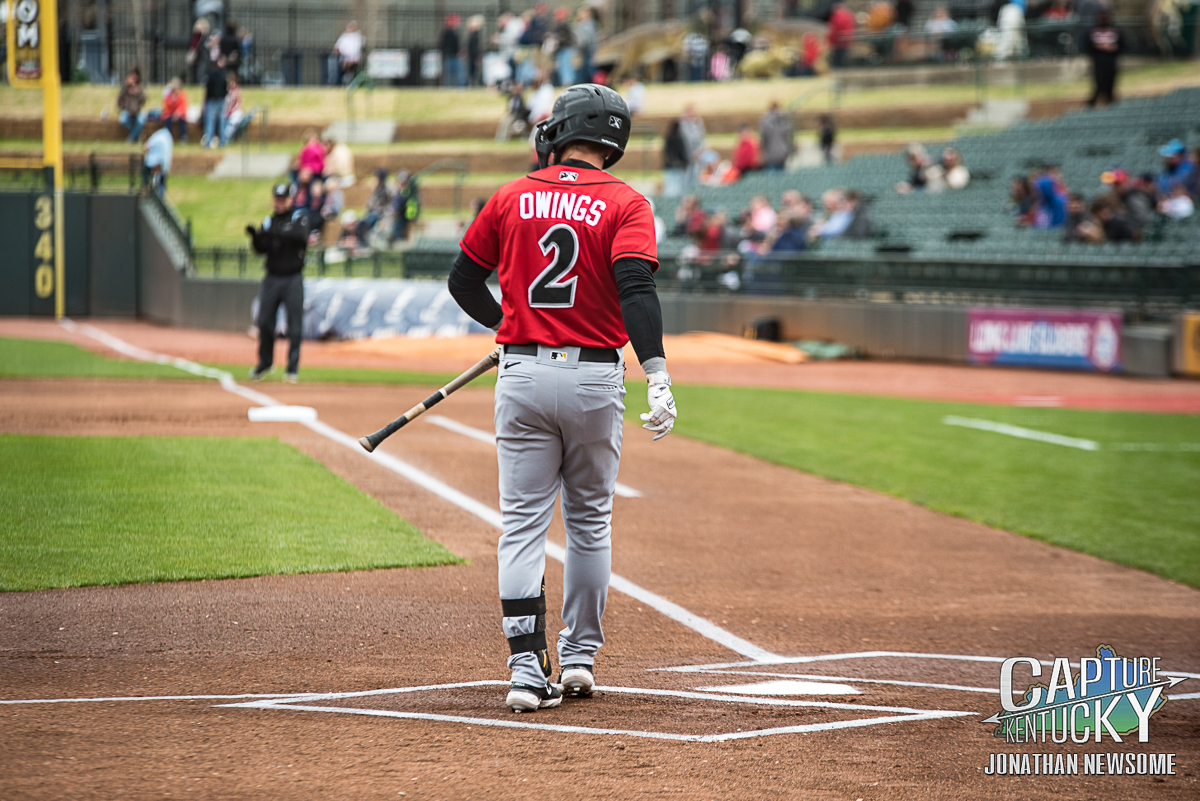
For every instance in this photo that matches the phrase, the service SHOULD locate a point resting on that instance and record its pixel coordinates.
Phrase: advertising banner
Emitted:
(25, 32)
(1063, 338)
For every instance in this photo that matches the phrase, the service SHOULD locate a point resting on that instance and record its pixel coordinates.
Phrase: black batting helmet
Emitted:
(585, 113)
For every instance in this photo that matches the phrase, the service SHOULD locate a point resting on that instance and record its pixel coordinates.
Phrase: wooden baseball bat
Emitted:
(371, 441)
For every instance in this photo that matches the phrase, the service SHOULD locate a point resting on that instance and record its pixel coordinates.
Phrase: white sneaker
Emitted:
(291, 378)
(577, 679)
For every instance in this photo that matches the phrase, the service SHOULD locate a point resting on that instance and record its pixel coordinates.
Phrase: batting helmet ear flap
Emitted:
(542, 143)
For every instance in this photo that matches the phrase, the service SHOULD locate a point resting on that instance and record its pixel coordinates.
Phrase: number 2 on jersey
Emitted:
(549, 290)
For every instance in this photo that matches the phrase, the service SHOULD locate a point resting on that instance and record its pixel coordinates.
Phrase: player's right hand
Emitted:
(661, 418)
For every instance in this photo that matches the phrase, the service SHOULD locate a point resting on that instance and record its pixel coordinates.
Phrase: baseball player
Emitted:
(574, 251)
(283, 237)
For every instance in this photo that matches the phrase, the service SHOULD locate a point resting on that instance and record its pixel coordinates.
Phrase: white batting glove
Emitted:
(661, 418)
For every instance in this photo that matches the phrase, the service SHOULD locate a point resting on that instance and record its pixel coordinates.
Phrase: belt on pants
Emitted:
(601, 355)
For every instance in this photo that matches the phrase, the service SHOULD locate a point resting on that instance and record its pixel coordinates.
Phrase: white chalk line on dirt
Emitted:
(479, 435)
(297, 696)
(897, 682)
(704, 628)
(800, 660)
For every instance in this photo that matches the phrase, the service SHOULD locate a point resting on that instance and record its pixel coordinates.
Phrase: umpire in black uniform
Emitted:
(283, 237)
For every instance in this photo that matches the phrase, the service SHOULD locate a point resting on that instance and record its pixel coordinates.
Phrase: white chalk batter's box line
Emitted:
(311, 702)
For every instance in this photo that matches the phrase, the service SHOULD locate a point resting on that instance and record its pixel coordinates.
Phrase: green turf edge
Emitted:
(1135, 509)
(89, 511)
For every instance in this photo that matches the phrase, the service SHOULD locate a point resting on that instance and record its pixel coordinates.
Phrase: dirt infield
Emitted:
(789, 564)
(1000, 386)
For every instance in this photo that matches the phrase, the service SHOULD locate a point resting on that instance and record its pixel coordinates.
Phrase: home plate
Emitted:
(282, 414)
(784, 687)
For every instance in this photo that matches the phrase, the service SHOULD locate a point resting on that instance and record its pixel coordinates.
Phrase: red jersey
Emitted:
(554, 236)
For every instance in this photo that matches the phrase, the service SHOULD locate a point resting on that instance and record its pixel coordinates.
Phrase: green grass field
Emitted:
(113, 510)
(1136, 508)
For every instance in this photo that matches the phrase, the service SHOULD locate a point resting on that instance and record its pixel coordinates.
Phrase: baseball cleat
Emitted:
(291, 378)
(577, 679)
(258, 372)
(524, 698)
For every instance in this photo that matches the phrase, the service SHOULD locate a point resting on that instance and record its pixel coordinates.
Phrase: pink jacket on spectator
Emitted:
(312, 156)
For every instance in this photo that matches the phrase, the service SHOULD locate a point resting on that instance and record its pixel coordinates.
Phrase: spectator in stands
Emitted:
(1178, 204)
(791, 234)
(759, 218)
(197, 53)
(339, 161)
(715, 171)
(1080, 225)
(348, 49)
(860, 226)
(216, 86)
(918, 169)
(1178, 170)
(312, 155)
(335, 200)
(937, 27)
(695, 56)
(231, 46)
(564, 47)
(836, 218)
(301, 188)
(174, 110)
(232, 113)
(451, 47)
(881, 17)
(1135, 204)
(904, 13)
(689, 217)
(515, 120)
(1024, 202)
(720, 66)
(716, 233)
(826, 137)
(635, 96)
(1051, 197)
(745, 152)
(542, 102)
(778, 136)
(949, 173)
(1104, 43)
(156, 164)
(406, 206)
(587, 37)
(474, 49)
(314, 203)
(810, 54)
(840, 31)
(507, 38)
(1087, 12)
(130, 100)
(793, 201)
(676, 161)
(691, 126)
(1059, 11)
(378, 204)
(1115, 225)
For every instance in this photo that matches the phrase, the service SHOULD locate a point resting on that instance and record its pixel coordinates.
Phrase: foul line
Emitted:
(1022, 433)
(296, 696)
(480, 435)
(704, 628)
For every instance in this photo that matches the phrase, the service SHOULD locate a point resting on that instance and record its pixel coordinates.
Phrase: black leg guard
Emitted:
(535, 642)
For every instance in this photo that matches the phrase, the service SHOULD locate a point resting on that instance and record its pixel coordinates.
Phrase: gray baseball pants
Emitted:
(558, 426)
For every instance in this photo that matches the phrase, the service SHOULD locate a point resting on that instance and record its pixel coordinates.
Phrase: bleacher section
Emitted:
(1083, 143)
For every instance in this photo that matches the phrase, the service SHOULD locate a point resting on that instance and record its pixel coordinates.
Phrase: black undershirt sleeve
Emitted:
(640, 307)
(468, 287)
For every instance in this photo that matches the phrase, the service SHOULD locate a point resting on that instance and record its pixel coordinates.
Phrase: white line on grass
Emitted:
(488, 438)
(704, 628)
(1022, 433)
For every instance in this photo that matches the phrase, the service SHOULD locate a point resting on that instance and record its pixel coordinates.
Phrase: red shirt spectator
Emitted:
(841, 27)
(745, 153)
(175, 104)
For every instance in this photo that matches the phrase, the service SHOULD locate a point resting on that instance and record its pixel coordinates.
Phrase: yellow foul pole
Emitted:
(52, 154)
